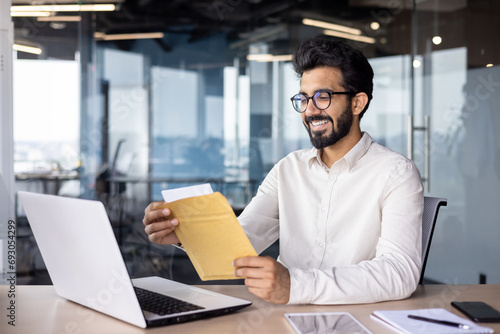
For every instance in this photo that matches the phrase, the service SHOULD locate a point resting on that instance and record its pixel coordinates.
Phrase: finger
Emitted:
(250, 261)
(157, 237)
(256, 291)
(267, 295)
(151, 216)
(250, 272)
(262, 294)
(258, 283)
(161, 225)
(152, 206)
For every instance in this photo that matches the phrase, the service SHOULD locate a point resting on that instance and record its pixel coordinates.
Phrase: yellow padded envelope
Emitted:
(210, 234)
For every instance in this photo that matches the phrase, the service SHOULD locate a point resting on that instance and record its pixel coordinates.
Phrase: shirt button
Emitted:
(323, 209)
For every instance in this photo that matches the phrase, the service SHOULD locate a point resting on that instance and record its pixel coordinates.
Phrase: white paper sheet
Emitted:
(400, 321)
(171, 195)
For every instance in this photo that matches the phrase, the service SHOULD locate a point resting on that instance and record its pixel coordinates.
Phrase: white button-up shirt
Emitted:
(348, 234)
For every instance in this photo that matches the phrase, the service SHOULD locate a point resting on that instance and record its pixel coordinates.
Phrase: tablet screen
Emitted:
(321, 323)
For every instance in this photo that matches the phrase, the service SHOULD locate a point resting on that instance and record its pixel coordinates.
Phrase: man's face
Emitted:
(326, 127)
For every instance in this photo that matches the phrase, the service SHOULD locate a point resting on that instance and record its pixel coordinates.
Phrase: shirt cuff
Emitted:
(179, 246)
(301, 286)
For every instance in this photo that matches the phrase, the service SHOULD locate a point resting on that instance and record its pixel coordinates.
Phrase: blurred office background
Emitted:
(119, 101)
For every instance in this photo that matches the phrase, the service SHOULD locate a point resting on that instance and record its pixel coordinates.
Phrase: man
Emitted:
(347, 212)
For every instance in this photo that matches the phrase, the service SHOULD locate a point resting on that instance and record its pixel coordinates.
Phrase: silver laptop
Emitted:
(83, 259)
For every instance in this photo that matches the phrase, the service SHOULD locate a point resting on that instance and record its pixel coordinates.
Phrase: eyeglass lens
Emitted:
(320, 99)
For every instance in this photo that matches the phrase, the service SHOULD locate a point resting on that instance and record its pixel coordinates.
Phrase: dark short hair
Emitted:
(357, 72)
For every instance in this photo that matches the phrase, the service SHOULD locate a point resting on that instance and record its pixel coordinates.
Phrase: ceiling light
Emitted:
(65, 8)
(59, 18)
(99, 35)
(364, 39)
(115, 37)
(57, 25)
(417, 63)
(26, 48)
(375, 25)
(29, 14)
(98, 8)
(260, 57)
(437, 40)
(283, 58)
(489, 65)
(331, 26)
(268, 57)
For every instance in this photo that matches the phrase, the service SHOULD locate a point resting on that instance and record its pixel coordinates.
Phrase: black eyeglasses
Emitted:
(321, 100)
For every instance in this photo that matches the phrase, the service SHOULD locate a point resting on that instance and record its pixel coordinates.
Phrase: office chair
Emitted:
(431, 209)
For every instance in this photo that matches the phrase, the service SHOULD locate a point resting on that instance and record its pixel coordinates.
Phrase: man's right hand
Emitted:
(158, 227)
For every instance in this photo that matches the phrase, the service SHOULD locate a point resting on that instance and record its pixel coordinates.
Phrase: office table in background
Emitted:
(40, 310)
(51, 181)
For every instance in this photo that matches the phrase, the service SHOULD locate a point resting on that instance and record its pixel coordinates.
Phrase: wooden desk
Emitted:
(40, 310)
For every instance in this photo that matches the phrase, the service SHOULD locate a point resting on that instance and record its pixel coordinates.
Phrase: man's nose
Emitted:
(311, 109)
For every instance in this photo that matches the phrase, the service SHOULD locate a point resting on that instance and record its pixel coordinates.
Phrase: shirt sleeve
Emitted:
(394, 271)
(260, 219)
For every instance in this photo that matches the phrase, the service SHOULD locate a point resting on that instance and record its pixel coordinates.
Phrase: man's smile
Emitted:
(317, 123)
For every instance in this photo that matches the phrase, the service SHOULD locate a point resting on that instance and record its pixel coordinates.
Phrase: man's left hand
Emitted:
(265, 277)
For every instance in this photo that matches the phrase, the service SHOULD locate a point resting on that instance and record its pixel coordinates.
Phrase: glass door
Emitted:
(436, 96)
(456, 98)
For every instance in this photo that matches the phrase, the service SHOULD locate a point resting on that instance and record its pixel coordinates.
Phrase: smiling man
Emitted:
(347, 212)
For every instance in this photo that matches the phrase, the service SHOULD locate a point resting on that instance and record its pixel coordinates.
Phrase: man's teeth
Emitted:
(317, 123)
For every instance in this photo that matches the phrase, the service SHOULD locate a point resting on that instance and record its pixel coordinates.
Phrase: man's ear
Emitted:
(358, 103)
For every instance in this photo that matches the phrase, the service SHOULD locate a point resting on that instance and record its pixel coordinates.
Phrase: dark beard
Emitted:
(319, 139)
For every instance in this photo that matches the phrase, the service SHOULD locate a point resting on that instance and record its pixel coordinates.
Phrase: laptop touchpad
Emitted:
(189, 294)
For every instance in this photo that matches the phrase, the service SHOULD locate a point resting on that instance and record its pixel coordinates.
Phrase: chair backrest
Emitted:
(431, 209)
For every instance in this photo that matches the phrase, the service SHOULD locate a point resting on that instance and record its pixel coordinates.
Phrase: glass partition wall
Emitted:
(458, 95)
(208, 101)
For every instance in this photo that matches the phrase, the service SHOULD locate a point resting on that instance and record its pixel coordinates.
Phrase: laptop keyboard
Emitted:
(160, 304)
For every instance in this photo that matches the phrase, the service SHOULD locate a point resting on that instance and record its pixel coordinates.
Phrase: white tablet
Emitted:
(328, 322)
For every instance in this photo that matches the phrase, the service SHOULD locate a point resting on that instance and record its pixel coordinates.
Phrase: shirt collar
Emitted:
(314, 155)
